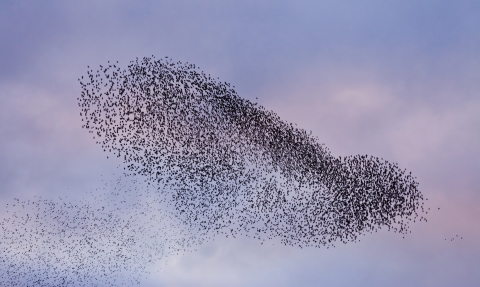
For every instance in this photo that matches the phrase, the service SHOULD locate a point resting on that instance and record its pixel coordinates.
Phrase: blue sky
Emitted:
(394, 79)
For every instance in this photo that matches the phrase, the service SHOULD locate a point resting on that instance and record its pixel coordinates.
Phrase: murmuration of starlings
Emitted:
(228, 165)
(198, 161)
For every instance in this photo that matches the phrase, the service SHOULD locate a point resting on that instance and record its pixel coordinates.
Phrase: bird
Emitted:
(198, 161)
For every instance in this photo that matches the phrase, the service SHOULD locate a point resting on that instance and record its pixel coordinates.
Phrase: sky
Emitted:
(394, 79)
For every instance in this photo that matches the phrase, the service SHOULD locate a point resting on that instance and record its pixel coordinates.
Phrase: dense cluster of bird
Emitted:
(220, 164)
(229, 165)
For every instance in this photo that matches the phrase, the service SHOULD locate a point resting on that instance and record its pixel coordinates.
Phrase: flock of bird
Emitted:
(110, 238)
(211, 163)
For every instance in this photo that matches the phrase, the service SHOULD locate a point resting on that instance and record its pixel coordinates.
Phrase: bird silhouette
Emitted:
(203, 162)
